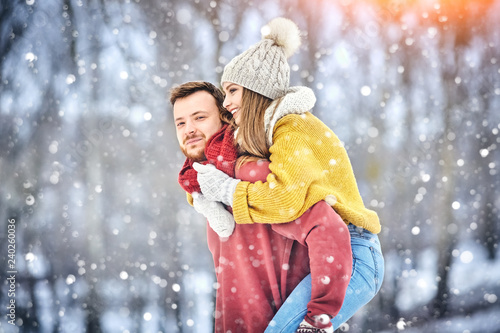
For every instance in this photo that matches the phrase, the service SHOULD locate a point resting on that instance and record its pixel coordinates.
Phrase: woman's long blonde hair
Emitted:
(251, 135)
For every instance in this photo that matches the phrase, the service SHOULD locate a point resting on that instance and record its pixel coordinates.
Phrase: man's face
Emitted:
(196, 120)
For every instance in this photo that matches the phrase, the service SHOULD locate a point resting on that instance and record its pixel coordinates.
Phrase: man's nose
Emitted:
(190, 128)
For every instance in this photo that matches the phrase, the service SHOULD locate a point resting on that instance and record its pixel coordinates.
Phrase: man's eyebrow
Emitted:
(191, 115)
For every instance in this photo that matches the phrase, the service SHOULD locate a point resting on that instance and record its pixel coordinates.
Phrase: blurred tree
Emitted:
(454, 21)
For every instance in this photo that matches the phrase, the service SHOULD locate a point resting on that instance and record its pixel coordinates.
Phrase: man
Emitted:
(257, 265)
(247, 264)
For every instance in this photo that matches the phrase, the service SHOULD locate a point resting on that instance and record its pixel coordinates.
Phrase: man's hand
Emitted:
(215, 184)
(219, 219)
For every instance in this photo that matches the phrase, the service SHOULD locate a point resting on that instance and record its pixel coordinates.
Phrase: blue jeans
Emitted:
(366, 280)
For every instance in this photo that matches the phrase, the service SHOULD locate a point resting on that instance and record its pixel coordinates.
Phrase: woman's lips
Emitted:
(234, 112)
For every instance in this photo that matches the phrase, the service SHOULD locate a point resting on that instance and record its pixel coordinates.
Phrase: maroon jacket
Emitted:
(259, 265)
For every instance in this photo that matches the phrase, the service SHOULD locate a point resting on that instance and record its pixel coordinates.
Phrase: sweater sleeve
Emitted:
(189, 198)
(297, 162)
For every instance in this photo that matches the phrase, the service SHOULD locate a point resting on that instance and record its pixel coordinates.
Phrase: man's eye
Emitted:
(179, 124)
(200, 118)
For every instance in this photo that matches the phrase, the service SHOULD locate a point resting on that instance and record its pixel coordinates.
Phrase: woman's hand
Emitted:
(215, 184)
(219, 219)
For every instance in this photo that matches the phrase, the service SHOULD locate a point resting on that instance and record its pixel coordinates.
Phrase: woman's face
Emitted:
(232, 101)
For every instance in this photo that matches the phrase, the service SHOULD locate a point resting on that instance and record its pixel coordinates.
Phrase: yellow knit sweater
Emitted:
(308, 164)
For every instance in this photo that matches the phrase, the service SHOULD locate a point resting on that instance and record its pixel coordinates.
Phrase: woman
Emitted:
(308, 164)
(257, 265)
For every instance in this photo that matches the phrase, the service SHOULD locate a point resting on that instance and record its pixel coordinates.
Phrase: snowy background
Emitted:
(105, 241)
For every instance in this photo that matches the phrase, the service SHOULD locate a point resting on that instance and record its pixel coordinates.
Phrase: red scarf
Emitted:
(219, 151)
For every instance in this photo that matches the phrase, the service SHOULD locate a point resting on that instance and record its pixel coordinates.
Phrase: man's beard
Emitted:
(196, 156)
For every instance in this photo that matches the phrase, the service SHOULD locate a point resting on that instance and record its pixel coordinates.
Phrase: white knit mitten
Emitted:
(219, 219)
(215, 184)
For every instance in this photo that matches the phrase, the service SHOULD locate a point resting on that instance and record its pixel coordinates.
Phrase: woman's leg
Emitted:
(293, 310)
(366, 280)
(367, 274)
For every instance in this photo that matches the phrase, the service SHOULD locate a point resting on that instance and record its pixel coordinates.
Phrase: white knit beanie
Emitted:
(264, 67)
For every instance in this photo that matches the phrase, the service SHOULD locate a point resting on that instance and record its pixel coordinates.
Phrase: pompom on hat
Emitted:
(264, 68)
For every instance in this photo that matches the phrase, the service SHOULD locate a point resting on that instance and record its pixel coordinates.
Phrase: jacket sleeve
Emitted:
(330, 256)
(295, 165)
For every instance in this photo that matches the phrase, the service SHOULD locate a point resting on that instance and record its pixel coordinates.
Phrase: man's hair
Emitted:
(189, 88)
